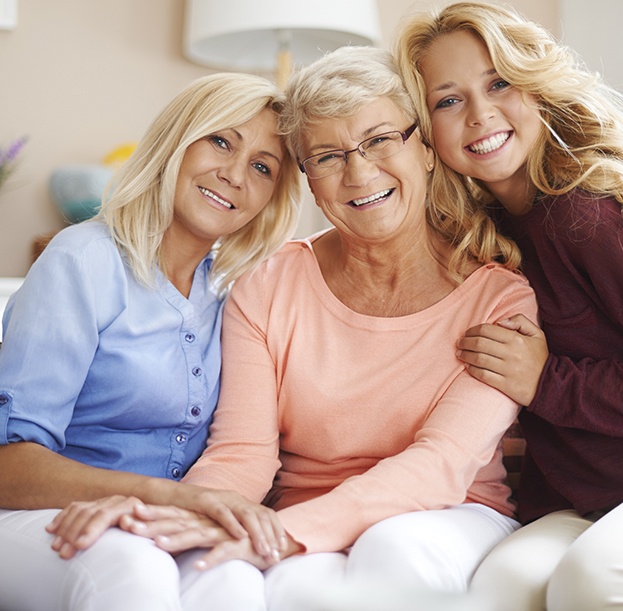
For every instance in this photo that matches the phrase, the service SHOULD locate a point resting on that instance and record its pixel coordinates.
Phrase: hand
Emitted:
(81, 524)
(161, 522)
(239, 516)
(176, 530)
(509, 356)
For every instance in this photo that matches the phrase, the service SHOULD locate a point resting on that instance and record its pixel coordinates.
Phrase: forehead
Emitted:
(336, 132)
(261, 133)
(454, 57)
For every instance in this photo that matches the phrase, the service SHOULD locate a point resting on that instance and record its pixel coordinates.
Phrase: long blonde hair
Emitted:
(344, 81)
(139, 208)
(581, 144)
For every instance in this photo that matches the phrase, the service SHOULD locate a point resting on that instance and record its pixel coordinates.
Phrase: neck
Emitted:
(388, 279)
(517, 196)
(179, 263)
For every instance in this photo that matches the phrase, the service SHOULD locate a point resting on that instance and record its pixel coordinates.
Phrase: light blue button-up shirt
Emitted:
(102, 369)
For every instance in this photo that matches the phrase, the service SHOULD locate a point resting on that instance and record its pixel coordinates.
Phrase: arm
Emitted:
(582, 317)
(243, 448)
(458, 439)
(44, 363)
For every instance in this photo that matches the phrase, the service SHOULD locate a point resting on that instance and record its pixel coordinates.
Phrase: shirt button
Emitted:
(4, 398)
(195, 411)
(180, 438)
(176, 473)
(189, 337)
(197, 371)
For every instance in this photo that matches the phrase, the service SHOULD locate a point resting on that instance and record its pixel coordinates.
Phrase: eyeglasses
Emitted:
(376, 147)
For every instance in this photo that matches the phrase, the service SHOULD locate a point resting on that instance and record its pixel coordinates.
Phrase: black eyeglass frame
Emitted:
(404, 135)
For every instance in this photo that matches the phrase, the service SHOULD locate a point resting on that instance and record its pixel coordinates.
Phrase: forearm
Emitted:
(34, 477)
(569, 393)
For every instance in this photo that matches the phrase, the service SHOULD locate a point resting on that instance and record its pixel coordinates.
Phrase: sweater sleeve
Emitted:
(576, 389)
(242, 453)
(434, 472)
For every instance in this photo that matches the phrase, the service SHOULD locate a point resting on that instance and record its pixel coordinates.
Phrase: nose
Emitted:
(359, 170)
(232, 172)
(479, 111)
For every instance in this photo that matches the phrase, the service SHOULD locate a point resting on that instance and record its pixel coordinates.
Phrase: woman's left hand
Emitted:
(509, 356)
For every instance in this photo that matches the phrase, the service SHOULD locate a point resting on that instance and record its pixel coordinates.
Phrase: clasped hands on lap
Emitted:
(225, 523)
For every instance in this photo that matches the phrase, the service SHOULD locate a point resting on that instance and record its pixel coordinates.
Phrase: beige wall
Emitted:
(81, 77)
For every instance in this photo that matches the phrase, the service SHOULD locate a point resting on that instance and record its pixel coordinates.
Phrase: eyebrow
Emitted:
(451, 84)
(238, 135)
(371, 131)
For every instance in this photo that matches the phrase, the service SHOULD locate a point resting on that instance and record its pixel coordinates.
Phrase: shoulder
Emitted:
(582, 212)
(283, 266)
(495, 279)
(85, 244)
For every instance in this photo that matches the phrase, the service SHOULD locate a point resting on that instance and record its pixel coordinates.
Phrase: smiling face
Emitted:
(482, 126)
(225, 180)
(370, 198)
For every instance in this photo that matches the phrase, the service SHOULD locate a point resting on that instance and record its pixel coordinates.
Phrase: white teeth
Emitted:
(490, 144)
(215, 197)
(371, 198)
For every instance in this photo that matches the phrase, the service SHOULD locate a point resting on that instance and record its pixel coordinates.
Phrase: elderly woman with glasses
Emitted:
(343, 405)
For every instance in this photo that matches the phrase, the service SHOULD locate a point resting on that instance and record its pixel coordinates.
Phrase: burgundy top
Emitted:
(572, 249)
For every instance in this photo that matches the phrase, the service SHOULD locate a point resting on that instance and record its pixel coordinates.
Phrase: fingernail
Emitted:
(275, 555)
(201, 565)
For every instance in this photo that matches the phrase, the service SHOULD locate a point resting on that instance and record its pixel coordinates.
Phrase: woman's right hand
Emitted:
(82, 523)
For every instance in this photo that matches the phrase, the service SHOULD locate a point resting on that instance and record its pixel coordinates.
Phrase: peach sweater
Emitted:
(339, 420)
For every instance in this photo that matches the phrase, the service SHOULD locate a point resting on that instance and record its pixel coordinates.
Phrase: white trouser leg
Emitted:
(121, 571)
(435, 549)
(514, 576)
(231, 586)
(590, 575)
(291, 583)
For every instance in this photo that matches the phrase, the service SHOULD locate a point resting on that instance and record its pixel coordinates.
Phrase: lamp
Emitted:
(247, 35)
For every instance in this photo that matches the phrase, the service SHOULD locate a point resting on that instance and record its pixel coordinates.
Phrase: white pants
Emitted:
(417, 552)
(121, 572)
(561, 562)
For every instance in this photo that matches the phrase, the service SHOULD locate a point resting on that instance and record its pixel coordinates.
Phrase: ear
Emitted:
(430, 158)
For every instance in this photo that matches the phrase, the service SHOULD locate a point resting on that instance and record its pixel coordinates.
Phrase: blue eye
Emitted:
(501, 84)
(219, 141)
(263, 169)
(446, 103)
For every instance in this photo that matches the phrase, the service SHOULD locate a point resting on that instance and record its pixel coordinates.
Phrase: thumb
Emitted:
(521, 324)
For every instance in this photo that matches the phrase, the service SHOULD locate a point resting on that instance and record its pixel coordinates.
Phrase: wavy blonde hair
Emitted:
(343, 82)
(581, 144)
(138, 208)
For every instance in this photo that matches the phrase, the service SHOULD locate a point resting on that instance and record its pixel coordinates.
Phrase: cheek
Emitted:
(445, 141)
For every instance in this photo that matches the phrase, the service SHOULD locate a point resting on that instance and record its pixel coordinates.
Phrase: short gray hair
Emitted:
(338, 85)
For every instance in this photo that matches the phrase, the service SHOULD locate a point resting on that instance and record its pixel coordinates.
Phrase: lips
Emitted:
(490, 144)
(371, 199)
(216, 198)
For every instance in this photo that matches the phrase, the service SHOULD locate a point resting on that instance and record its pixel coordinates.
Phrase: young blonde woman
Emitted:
(537, 140)
(111, 357)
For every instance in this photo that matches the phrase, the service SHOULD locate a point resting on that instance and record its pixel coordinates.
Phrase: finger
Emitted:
(222, 514)
(189, 539)
(521, 324)
(152, 529)
(161, 512)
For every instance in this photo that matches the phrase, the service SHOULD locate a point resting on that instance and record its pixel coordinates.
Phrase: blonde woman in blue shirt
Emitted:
(109, 370)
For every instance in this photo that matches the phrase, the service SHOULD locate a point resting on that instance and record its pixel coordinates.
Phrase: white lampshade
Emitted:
(248, 35)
